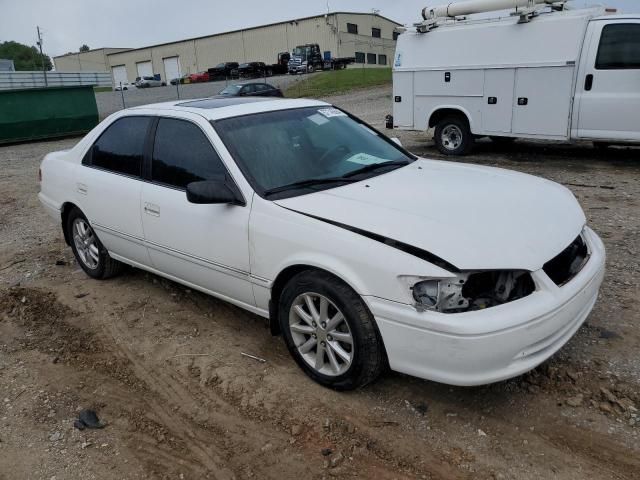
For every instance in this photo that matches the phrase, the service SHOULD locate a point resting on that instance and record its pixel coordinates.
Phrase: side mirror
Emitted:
(396, 140)
(214, 192)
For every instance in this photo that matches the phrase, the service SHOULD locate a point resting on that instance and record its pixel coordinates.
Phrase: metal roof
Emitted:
(292, 20)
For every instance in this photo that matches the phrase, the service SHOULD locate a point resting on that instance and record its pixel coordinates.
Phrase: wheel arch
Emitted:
(283, 278)
(441, 112)
(65, 210)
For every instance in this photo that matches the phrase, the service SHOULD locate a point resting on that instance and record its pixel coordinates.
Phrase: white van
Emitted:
(558, 75)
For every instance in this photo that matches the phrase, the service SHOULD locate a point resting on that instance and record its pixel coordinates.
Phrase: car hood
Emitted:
(473, 217)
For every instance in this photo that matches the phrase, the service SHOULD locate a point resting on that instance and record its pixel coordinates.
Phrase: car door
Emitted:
(608, 87)
(109, 186)
(204, 245)
(248, 90)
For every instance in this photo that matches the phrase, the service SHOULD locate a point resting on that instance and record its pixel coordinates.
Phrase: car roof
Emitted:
(218, 108)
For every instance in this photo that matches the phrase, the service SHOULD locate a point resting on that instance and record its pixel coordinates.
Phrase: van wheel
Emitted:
(453, 136)
(90, 254)
(330, 332)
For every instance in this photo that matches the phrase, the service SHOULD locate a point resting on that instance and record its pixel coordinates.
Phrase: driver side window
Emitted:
(182, 154)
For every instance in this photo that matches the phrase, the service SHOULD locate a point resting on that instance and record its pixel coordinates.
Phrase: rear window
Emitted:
(619, 47)
(120, 148)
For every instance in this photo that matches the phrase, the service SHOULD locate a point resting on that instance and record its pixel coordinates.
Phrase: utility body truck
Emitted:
(542, 72)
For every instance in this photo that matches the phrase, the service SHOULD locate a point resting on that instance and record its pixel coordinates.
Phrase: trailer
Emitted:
(308, 58)
(542, 72)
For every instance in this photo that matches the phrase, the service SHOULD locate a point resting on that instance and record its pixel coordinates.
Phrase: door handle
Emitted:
(588, 82)
(81, 188)
(151, 209)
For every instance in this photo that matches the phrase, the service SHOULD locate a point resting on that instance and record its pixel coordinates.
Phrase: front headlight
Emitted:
(471, 290)
(426, 293)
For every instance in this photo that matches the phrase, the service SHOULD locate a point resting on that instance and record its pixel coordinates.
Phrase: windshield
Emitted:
(301, 52)
(220, 65)
(230, 90)
(318, 144)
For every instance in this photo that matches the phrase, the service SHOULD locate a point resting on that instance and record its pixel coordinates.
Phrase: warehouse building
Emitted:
(368, 37)
(90, 61)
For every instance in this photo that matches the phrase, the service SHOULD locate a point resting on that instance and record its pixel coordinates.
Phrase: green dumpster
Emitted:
(34, 113)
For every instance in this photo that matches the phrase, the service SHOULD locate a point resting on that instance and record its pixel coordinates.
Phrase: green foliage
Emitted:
(84, 48)
(24, 57)
(338, 81)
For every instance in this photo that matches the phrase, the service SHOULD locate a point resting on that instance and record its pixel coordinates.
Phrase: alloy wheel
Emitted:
(321, 334)
(86, 243)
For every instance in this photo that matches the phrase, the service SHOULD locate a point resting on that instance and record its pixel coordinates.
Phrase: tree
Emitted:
(84, 48)
(24, 57)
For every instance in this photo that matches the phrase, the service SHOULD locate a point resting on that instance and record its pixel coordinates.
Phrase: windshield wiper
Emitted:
(375, 166)
(307, 183)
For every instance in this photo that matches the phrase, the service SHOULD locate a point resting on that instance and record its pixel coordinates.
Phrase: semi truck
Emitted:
(539, 71)
(308, 58)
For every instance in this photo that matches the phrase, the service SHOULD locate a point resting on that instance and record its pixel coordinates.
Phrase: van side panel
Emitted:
(542, 101)
(461, 89)
(403, 110)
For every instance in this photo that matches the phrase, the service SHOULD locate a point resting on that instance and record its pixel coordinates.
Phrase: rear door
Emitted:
(109, 185)
(206, 245)
(608, 89)
(498, 100)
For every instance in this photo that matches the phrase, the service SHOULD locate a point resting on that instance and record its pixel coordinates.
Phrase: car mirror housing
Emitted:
(214, 192)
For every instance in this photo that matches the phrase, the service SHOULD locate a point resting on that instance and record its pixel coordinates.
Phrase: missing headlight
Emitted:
(470, 291)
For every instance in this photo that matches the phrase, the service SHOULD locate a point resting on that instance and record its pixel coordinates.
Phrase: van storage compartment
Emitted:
(542, 101)
(497, 107)
(403, 99)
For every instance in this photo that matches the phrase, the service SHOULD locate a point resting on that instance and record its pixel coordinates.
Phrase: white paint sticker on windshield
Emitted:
(318, 119)
(331, 112)
(365, 159)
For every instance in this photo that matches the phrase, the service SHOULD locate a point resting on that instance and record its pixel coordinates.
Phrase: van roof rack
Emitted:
(525, 9)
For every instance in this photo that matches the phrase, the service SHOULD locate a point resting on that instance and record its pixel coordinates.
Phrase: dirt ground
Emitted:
(162, 365)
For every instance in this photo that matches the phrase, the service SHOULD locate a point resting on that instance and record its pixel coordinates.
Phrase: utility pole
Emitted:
(44, 68)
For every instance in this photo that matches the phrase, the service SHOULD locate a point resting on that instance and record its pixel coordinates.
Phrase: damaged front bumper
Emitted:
(485, 346)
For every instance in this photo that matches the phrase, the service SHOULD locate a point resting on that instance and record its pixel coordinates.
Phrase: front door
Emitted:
(608, 88)
(205, 245)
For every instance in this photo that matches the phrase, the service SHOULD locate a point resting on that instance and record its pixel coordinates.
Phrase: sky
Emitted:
(67, 24)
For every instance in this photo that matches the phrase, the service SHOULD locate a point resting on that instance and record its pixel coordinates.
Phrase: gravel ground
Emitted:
(161, 364)
(110, 102)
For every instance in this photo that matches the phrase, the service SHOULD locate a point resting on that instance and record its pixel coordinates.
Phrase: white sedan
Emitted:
(360, 254)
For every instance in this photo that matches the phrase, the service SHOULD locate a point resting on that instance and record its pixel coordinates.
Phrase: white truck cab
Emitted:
(543, 72)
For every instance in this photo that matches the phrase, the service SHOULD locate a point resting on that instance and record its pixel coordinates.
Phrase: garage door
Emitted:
(119, 73)
(144, 69)
(171, 68)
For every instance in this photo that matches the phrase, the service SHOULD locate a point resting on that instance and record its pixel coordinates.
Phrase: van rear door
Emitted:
(608, 87)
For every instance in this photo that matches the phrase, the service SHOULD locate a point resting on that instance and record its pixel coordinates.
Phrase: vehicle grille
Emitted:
(564, 266)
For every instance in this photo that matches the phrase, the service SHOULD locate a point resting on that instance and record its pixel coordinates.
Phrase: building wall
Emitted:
(363, 42)
(91, 61)
(262, 44)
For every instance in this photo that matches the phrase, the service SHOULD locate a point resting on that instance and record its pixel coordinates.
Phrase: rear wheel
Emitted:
(330, 332)
(90, 254)
(453, 136)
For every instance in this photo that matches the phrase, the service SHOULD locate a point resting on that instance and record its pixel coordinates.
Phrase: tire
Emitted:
(453, 136)
(310, 69)
(354, 364)
(94, 258)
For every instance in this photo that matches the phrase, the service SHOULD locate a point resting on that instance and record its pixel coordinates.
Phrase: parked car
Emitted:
(548, 75)
(124, 86)
(199, 77)
(250, 89)
(224, 70)
(253, 70)
(146, 82)
(357, 251)
(180, 80)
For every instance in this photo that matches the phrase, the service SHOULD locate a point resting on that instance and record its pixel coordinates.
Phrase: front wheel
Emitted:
(330, 332)
(90, 254)
(453, 136)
